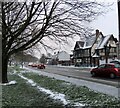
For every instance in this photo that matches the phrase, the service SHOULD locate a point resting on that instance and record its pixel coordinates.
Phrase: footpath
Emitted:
(103, 88)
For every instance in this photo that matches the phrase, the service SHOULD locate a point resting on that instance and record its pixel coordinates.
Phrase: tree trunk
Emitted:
(4, 69)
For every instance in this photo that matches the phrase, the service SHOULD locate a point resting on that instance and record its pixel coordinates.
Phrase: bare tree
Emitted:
(43, 59)
(25, 24)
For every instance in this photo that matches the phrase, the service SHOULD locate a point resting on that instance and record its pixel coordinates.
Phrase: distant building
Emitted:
(62, 58)
(95, 50)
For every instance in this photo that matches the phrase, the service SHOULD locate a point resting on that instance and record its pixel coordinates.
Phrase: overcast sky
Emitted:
(108, 24)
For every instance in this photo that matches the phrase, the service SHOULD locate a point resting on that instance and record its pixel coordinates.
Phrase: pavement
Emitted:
(97, 87)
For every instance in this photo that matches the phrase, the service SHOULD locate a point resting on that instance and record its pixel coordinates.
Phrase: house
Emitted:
(62, 58)
(95, 50)
(49, 59)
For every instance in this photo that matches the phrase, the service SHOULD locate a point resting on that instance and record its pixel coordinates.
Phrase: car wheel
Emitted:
(93, 74)
(112, 75)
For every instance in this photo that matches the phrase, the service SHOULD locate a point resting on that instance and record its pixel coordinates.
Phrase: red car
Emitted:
(111, 70)
(41, 66)
(34, 65)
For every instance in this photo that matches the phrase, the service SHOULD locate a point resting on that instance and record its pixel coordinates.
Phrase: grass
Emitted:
(22, 94)
(0, 96)
(74, 93)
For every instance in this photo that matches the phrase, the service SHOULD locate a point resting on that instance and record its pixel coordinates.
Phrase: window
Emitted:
(102, 66)
(101, 51)
(117, 65)
(86, 51)
(108, 66)
(115, 50)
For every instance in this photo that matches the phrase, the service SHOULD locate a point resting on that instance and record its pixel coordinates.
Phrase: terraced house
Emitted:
(95, 50)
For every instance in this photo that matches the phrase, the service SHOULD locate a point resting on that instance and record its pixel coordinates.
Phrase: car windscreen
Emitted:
(117, 65)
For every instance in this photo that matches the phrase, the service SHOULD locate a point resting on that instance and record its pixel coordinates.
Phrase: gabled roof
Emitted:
(79, 44)
(103, 41)
(93, 40)
(90, 41)
(62, 56)
(85, 44)
(95, 55)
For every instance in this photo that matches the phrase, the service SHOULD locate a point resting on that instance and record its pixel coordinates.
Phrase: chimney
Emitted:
(97, 33)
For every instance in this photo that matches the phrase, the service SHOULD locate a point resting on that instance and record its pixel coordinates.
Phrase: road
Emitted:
(80, 73)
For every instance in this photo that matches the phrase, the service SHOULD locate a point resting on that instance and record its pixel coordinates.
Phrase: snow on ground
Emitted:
(54, 95)
(10, 83)
(107, 89)
(73, 66)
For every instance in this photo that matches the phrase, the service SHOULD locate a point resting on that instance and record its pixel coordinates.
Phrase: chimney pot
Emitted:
(97, 32)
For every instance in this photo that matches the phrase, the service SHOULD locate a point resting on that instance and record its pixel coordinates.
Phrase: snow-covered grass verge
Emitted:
(22, 94)
(54, 95)
(73, 66)
(9, 83)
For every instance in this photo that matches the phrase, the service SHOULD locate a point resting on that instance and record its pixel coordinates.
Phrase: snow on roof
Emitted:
(101, 40)
(104, 41)
(63, 55)
(95, 55)
(85, 47)
(89, 41)
(80, 44)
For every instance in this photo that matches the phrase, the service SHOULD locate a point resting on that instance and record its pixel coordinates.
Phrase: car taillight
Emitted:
(116, 69)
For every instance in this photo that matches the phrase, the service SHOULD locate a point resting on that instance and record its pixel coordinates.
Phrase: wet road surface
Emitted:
(79, 73)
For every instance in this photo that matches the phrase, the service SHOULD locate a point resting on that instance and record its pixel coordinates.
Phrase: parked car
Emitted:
(34, 65)
(41, 66)
(112, 70)
(30, 64)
